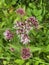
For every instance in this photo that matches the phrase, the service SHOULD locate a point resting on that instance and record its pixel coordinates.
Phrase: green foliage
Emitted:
(19, 61)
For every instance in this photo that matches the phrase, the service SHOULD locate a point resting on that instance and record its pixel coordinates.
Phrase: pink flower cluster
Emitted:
(25, 53)
(20, 11)
(8, 35)
(25, 38)
(12, 49)
(22, 29)
(33, 21)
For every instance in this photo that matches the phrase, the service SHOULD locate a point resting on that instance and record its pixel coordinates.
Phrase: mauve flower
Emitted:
(25, 53)
(8, 35)
(11, 49)
(28, 26)
(20, 31)
(20, 11)
(33, 21)
(19, 25)
(23, 29)
(25, 38)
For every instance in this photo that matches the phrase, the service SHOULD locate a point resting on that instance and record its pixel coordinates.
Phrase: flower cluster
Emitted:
(25, 53)
(33, 21)
(22, 29)
(8, 35)
(20, 11)
(25, 38)
(11, 49)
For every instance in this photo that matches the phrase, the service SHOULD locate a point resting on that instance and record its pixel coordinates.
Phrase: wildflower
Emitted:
(11, 49)
(22, 27)
(25, 53)
(19, 25)
(25, 38)
(8, 35)
(33, 21)
(20, 11)
(28, 26)
(20, 31)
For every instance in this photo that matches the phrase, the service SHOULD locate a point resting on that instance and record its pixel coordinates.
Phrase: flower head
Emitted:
(33, 21)
(11, 49)
(25, 53)
(20, 11)
(28, 25)
(8, 35)
(25, 38)
(23, 28)
(19, 25)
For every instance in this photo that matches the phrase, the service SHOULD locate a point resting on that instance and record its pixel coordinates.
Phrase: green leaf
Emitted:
(8, 2)
(28, 63)
(33, 32)
(4, 62)
(34, 49)
(32, 5)
(37, 12)
(14, 2)
(19, 61)
(46, 48)
(39, 18)
(29, 12)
